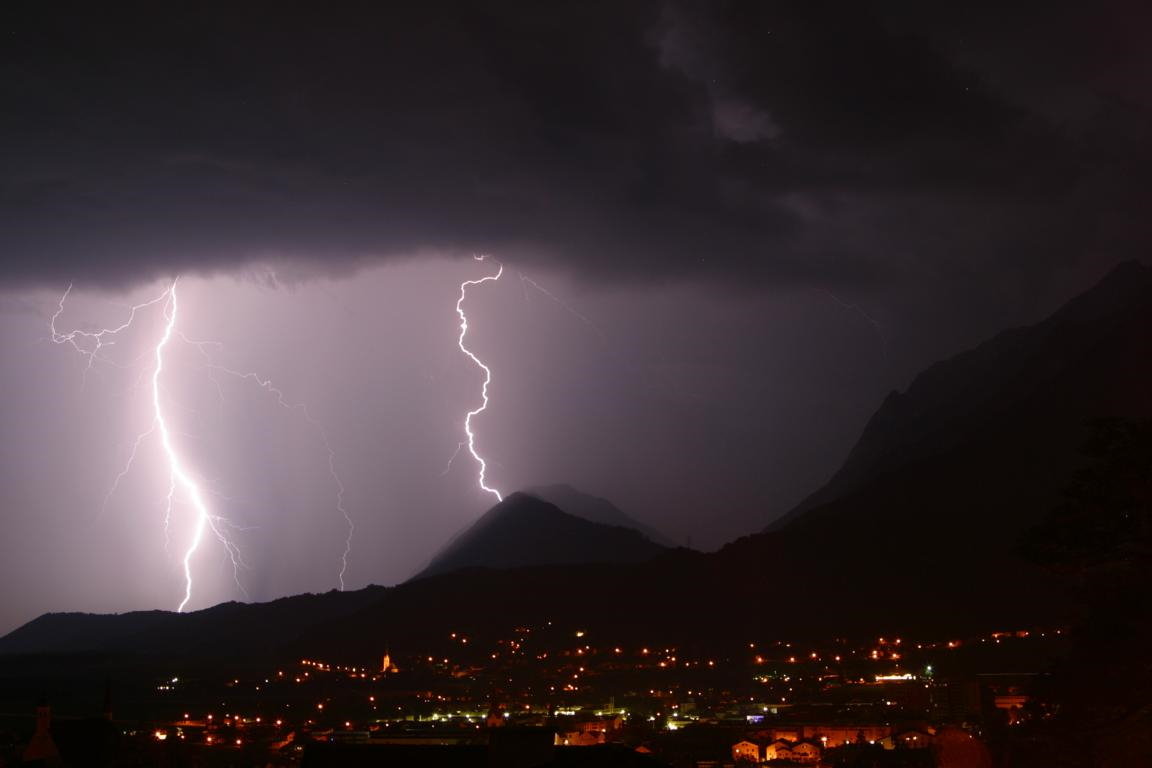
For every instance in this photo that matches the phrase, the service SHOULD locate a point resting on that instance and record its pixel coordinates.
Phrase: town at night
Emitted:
(899, 701)
(576, 384)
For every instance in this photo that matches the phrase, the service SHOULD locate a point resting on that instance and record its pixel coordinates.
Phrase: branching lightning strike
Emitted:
(91, 343)
(471, 437)
(179, 475)
(95, 340)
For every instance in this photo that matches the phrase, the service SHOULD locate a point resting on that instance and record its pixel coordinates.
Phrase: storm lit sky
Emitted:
(750, 221)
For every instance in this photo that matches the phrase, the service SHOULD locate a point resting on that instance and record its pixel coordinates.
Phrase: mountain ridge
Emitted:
(595, 509)
(886, 441)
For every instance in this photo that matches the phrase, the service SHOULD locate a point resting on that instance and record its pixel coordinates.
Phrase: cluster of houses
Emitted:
(805, 745)
(804, 752)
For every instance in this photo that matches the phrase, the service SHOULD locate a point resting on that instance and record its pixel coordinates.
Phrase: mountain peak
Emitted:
(524, 530)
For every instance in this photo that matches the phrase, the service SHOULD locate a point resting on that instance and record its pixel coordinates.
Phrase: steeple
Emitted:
(386, 664)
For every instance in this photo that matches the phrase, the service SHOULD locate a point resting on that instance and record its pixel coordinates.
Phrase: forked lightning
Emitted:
(182, 484)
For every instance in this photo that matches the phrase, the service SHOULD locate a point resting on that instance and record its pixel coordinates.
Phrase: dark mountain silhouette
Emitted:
(947, 478)
(525, 530)
(918, 532)
(594, 509)
(1027, 385)
(199, 632)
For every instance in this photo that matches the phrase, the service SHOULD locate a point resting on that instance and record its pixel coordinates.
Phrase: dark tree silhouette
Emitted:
(1102, 533)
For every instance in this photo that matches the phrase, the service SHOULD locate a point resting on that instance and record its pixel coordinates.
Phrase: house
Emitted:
(780, 749)
(802, 752)
(580, 738)
(806, 752)
(748, 751)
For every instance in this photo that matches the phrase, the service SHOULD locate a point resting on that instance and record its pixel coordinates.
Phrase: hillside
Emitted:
(248, 627)
(594, 509)
(524, 530)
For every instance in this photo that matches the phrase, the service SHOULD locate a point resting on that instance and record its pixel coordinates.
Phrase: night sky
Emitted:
(728, 230)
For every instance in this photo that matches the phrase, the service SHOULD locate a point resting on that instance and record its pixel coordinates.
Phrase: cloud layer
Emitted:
(746, 141)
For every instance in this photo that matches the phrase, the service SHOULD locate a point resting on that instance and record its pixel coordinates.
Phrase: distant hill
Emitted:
(918, 532)
(252, 627)
(524, 530)
(594, 508)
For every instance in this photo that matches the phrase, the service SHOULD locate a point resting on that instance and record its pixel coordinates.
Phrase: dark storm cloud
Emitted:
(767, 141)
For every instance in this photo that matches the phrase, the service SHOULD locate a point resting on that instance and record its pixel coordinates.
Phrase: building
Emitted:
(748, 752)
(41, 748)
(828, 735)
(801, 752)
(806, 753)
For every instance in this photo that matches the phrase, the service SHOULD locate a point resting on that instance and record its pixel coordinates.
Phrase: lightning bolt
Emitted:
(471, 436)
(178, 474)
(90, 343)
(182, 486)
